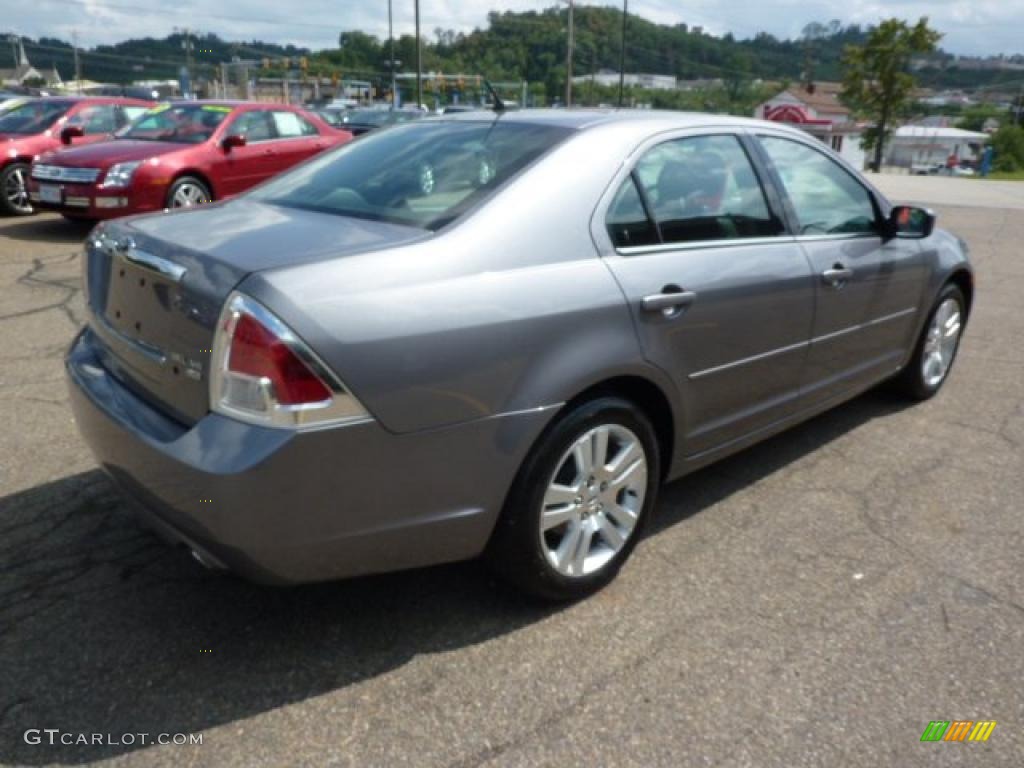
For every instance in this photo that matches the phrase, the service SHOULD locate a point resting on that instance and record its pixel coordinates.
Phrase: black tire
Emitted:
(187, 181)
(911, 380)
(516, 552)
(8, 180)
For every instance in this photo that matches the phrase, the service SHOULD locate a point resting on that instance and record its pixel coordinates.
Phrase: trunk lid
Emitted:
(156, 285)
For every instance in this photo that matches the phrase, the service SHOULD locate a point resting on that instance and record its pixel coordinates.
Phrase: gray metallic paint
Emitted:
(464, 344)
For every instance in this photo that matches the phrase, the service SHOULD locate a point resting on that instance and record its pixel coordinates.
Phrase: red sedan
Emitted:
(179, 154)
(35, 126)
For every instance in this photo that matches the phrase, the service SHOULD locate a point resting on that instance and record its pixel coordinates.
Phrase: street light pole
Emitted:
(622, 53)
(419, 61)
(78, 64)
(568, 58)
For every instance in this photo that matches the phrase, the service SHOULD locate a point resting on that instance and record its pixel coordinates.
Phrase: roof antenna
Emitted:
(499, 105)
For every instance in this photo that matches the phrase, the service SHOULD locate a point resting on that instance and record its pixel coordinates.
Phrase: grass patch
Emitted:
(1005, 176)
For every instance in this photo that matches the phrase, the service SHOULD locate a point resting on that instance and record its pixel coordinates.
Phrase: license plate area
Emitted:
(51, 193)
(141, 304)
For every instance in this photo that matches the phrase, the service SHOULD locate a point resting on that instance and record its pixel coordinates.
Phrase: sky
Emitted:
(971, 27)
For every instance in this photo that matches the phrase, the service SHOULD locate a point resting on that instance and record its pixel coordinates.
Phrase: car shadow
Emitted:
(694, 493)
(105, 629)
(49, 227)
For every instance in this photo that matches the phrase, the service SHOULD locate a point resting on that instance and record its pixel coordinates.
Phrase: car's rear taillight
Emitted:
(263, 373)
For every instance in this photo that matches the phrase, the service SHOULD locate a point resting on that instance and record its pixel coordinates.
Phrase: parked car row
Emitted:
(102, 157)
(360, 121)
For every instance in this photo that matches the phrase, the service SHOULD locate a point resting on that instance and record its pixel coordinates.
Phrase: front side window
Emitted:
(421, 174)
(290, 125)
(33, 116)
(99, 118)
(179, 123)
(255, 125)
(704, 188)
(826, 198)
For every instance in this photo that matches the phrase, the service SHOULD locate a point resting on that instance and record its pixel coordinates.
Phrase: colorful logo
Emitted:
(958, 730)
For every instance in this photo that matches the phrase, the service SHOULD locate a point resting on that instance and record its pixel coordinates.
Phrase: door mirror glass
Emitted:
(70, 133)
(234, 140)
(909, 222)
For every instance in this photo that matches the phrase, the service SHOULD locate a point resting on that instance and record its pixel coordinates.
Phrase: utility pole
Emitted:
(391, 41)
(419, 61)
(568, 58)
(78, 65)
(186, 45)
(622, 54)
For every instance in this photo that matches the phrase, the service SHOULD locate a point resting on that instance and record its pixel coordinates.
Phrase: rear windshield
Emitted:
(180, 123)
(32, 116)
(423, 174)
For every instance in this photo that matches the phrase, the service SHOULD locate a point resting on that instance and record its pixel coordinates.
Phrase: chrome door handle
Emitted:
(668, 302)
(837, 276)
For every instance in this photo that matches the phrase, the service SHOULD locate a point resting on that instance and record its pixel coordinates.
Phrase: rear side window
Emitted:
(290, 125)
(704, 188)
(628, 222)
(827, 199)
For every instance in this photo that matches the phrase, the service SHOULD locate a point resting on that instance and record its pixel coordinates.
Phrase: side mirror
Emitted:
(911, 223)
(232, 141)
(69, 133)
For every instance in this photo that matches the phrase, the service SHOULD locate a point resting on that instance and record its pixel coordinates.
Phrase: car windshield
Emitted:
(424, 175)
(179, 123)
(32, 116)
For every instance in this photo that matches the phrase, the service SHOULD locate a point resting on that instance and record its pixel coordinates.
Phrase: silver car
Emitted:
(348, 371)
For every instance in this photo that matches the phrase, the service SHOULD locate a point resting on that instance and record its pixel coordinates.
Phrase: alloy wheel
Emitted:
(16, 190)
(941, 342)
(593, 500)
(187, 195)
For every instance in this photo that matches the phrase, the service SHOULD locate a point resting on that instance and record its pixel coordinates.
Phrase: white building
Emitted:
(608, 77)
(816, 109)
(25, 72)
(924, 145)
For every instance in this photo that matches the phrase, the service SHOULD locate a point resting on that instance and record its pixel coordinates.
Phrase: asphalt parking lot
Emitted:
(815, 600)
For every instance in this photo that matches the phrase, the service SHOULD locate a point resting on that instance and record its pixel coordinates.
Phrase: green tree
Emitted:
(974, 118)
(876, 79)
(1008, 143)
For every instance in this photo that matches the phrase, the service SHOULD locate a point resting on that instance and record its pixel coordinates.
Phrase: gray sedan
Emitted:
(348, 371)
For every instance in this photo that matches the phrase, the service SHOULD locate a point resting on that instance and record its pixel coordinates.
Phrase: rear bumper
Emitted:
(88, 201)
(287, 507)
